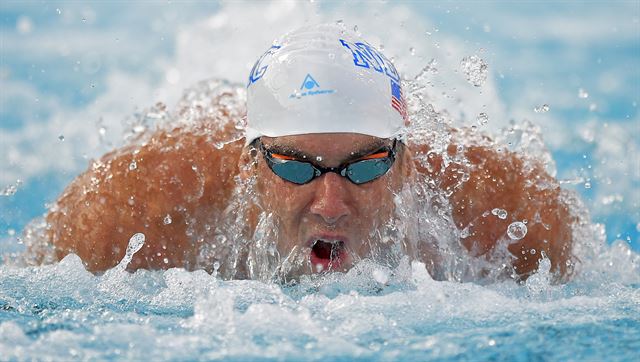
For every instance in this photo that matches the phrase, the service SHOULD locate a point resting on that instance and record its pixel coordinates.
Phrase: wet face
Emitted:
(329, 221)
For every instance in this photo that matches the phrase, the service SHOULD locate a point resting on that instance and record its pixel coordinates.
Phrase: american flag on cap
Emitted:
(397, 100)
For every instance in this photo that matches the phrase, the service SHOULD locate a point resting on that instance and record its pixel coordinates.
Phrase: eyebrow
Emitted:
(301, 155)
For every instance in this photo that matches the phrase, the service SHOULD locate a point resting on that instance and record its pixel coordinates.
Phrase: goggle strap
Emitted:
(282, 157)
(375, 156)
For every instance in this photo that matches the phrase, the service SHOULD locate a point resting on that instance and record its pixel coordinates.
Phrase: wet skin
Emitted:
(330, 214)
(179, 173)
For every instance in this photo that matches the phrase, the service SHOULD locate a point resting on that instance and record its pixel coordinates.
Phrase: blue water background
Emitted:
(59, 59)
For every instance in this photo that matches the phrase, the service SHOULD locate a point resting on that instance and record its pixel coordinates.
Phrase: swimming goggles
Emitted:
(362, 170)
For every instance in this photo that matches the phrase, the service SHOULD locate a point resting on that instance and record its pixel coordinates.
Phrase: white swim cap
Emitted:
(324, 79)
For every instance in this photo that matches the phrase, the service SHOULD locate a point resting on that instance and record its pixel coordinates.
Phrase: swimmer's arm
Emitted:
(169, 188)
(521, 187)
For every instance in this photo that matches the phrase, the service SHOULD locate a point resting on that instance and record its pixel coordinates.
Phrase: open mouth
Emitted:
(327, 255)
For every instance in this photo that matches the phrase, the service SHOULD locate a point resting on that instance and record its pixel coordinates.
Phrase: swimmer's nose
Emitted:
(330, 201)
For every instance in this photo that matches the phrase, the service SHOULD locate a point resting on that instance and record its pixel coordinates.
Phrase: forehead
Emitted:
(327, 144)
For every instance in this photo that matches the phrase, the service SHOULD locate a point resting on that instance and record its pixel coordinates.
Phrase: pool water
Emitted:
(61, 312)
(565, 73)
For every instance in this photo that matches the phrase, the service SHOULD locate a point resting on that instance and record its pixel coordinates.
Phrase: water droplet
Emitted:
(165, 260)
(61, 138)
(84, 20)
(412, 50)
(10, 190)
(464, 233)
(475, 69)
(587, 185)
(583, 93)
(11, 232)
(319, 158)
(355, 28)
(541, 109)
(517, 230)
(482, 119)
(332, 56)
(429, 68)
(593, 107)
(500, 213)
(133, 165)
(167, 220)
(58, 11)
(135, 244)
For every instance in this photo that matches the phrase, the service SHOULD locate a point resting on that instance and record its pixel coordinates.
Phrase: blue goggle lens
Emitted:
(293, 171)
(368, 170)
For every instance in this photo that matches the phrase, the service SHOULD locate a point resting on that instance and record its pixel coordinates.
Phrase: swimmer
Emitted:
(325, 156)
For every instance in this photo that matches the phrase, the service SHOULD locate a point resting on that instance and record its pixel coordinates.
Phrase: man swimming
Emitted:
(322, 173)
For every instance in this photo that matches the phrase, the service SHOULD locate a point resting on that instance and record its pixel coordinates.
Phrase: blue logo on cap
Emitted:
(310, 87)
(309, 82)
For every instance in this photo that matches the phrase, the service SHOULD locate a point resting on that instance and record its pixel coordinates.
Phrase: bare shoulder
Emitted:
(496, 188)
(168, 188)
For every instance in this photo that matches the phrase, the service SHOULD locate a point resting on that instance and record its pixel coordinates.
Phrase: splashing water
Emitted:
(62, 312)
(542, 109)
(112, 279)
(10, 190)
(482, 119)
(475, 69)
(387, 306)
(583, 93)
(135, 243)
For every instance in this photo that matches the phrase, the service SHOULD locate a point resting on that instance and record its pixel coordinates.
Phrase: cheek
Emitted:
(282, 198)
(374, 203)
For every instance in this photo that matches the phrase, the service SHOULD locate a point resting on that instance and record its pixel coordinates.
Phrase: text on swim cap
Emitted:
(364, 55)
(257, 71)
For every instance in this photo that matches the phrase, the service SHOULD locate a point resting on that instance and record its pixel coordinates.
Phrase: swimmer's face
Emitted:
(329, 221)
